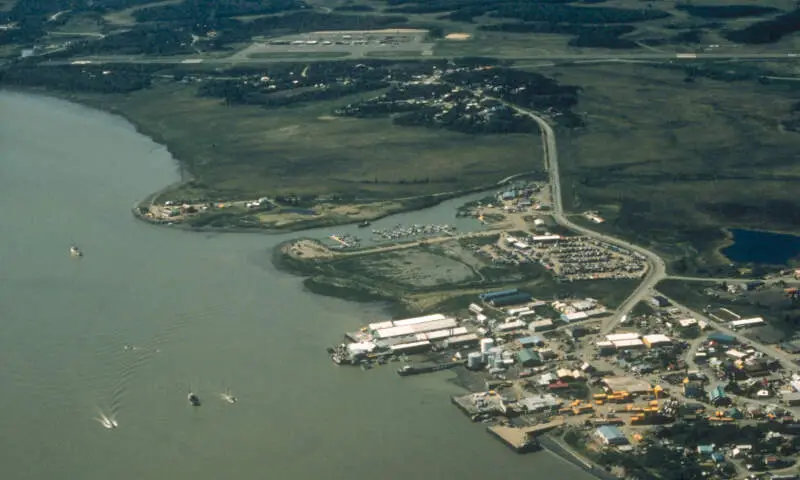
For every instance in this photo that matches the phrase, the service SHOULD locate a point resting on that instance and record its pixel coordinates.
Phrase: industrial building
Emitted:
(413, 329)
(610, 435)
(625, 341)
(574, 316)
(546, 238)
(628, 344)
(405, 322)
(747, 322)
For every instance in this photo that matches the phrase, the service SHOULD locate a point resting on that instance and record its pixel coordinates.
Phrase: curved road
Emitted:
(656, 268)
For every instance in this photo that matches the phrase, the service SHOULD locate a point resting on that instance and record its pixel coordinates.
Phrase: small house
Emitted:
(610, 435)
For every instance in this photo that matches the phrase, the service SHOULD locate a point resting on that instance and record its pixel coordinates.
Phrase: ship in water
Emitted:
(364, 224)
(194, 399)
(75, 251)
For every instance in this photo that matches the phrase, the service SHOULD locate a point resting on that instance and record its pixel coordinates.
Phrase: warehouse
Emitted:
(747, 322)
(656, 340)
(404, 322)
(546, 238)
(404, 330)
(622, 336)
(572, 317)
(628, 344)
(528, 358)
(631, 385)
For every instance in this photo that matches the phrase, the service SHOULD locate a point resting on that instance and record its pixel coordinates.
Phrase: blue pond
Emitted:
(753, 246)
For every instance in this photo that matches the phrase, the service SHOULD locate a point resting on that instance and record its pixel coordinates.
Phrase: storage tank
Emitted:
(486, 344)
(475, 361)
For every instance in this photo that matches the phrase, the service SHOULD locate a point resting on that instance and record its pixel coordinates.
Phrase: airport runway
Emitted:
(560, 58)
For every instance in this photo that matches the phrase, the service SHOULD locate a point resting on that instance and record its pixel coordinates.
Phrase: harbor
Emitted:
(493, 350)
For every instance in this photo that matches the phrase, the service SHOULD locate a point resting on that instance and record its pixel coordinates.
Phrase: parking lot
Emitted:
(350, 43)
(573, 258)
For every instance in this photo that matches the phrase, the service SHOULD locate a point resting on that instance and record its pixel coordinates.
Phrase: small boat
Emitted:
(228, 397)
(194, 400)
(364, 224)
(108, 422)
(75, 251)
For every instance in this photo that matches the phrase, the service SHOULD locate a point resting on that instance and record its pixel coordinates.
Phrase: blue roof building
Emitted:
(610, 435)
(717, 457)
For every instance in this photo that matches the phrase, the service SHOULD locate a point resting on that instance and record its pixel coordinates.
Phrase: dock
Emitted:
(524, 439)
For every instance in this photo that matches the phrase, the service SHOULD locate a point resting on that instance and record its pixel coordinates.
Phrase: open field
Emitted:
(125, 16)
(668, 162)
(246, 151)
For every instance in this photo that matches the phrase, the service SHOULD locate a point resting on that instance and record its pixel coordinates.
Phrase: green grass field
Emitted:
(247, 152)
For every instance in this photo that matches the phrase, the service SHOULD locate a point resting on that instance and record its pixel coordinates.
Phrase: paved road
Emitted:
(656, 268)
(563, 57)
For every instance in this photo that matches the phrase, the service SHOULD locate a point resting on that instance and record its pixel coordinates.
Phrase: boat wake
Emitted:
(228, 397)
(106, 421)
